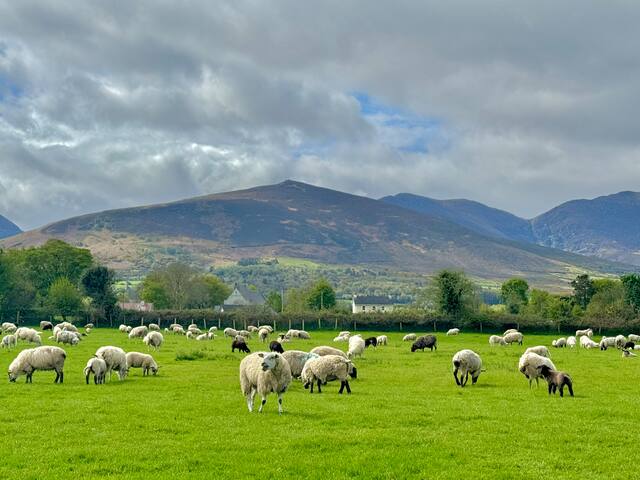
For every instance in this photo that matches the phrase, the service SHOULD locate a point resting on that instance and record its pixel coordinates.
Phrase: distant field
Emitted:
(405, 419)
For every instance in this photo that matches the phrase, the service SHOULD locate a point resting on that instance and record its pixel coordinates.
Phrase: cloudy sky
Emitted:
(519, 105)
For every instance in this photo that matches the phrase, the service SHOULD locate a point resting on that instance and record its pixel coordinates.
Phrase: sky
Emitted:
(518, 105)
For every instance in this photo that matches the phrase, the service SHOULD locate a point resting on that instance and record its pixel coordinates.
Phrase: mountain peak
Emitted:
(8, 228)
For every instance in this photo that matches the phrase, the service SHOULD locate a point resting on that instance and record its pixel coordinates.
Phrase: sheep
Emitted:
(371, 341)
(142, 360)
(556, 380)
(193, 327)
(98, 367)
(213, 329)
(540, 350)
(230, 332)
(8, 327)
(496, 340)
(607, 342)
(276, 346)
(44, 325)
(153, 340)
(282, 338)
(154, 327)
(252, 328)
(530, 363)
(264, 373)
(67, 337)
(588, 332)
(513, 337)
(129, 328)
(466, 362)
(205, 336)
(340, 338)
(191, 335)
(88, 330)
(88, 325)
(116, 360)
(382, 340)
(628, 353)
(241, 345)
(634, 338)
(292, 333)
(559, 343)
(586, 342)
(571, 342)
(345, 333)
(356, 346)
(245, 333)
(426, 341)
(195, 331)
(263, 333)
(303, 335)
(620, 341)
(138, 332)
(297, 359)
(28, 335)
(39, 358)
(122, 328)
(9, 341)
(410, 337)
(325, 350)
(453, 331)
(511, 330)
(326, 369)
(67, 326)
(629, 346)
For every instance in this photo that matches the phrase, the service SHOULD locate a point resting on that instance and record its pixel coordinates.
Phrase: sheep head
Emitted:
(269, 361)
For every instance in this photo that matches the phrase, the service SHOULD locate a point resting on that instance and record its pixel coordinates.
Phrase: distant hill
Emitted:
(8, 228)
(296, 220)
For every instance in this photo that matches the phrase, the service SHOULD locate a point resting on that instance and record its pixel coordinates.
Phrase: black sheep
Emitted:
(371, 341)
(557, 380)
(241, 345)
(426, 341)
(629, 346)
(276, 346)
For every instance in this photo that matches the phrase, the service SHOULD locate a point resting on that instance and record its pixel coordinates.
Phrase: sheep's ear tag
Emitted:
(261, 355)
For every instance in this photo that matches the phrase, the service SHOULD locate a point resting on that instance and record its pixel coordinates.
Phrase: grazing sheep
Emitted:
(263, 334)
(303, 335)
(282, 338)
(540, 350)
(195, 331)
(88, 330)
(559, 343)
(8, 327)
(138, 332)
(571, 342)
(143, 361)
(245, 333)
(340, 338)
(230, 332)
(192, 327)
(115, 359)
(410, 337)
(453, 331)
(627, 353)
(382, 340)
(588, 332)
(586, 342)
(241, 345)
(264, 373)
(98, 367)
(67, 326)
(426, 341)
(89, 325)
(466, 362)
(67, 337)
(530, 363)
(513, 337)
(556, 380)
(191, 335)
(371, 341)
(129, 328)
(511, 330)
(9, 341)
(205, 336)
(39, 358)
(153, 340)
(620, 341)
(297, 359)
(328, 368)
(44, 325)
(276, 346)
(122, 328)
(629, 346)
(323, 351)
(28, 335)
(634, 338)
(252, 328)
(496, 340)
(607, 342)
(213, 329)
(356, 346)
(154, 327)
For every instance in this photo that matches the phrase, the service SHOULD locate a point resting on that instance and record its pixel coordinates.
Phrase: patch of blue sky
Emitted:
(8, 89)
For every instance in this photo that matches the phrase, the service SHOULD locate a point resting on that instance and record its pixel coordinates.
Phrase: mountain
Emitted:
(8, 228)
(293, 219)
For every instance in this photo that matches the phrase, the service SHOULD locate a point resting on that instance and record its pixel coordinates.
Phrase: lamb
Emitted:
(276, 346)
(88, 325)
(326, 369)
(241, 345)
(453, 331)
(586, 342)
(191, 335)
(410, 337)
(629, 346)
(540, 350)
(325, 350)
(496, 340)
(230, 332)
(530, 363)
(356, 346)
(371, 341)
(607, 342)
(154, 327)
(297, 359)
(213, 329)
(620, 341)
(628, 353)
(142, 360)
(129, 328)
(98, 367)
(179, 330)
(426, 341)
(263, 333)
(282, 338)
(466, 362)
(9, 341)
(8, 327)
(571, 342)
(513, 337)
(122, 328)
(382, 340)
(138, 332)
(556, 380)
(588, 332)
(67, 337)
(634, 338)
(39, 358)
(44, 325)
(28, 335)
(153, 340)
(205, 336)
(264, 373)
(115, 359)
(340, 338)
(559, 343)
(292, 333)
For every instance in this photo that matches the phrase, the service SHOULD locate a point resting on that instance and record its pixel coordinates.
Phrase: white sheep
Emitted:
(230, 332)
(67, 326)
(530, 363)
(192, 336)
(245, 333)
(142, 360)
(138, 332)
(496, 340)
(606, 342)
(205, 336)
(264, 373)
(28, 335)
(540, 350)
(303, 335)
(263, 334)
(98, 367)
(39, 358)
(586, 342)
(122, 328)
(213, 329)
(153, 340)
(9, 341)
(8, 327)
(340, 338)
(382, 340)
(116, 360)
(325, 369)
(511, 330)
(513, 337)
(571, 342)
(559, 343)
(297, 359)
(453, 331)
(88, 325)
(324, 350)
(409, 337)
(178, 330)
(356, 346)
(466, 362)
(67, 337)
(195, 331)
(588, 332)
(129, 328)
(154, 327)
(252, 328)
(620, 341)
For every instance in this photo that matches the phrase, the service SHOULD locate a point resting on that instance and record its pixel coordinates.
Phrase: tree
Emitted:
(274, 300)
(538, 304)
(97, 283)
(297, 300)
(16, 292)
(583, 290)
(321, 296)
(452, 293)
(515, 294)
(152, 290)
(608, 306)
(63, 298)
(631, 284)
(217, 290)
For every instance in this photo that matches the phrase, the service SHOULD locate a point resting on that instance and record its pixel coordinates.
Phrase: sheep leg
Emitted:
(341, 387)
(87, 378)
(455, 375)
(346, 384)
(262, 403)
(280, 403)
(570, 387)
(561, 390)
(550, 388)
(312, 383)
(250, 397)
(61, 376)
(319, 388)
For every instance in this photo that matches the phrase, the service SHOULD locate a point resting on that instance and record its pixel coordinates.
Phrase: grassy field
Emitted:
(405, 419)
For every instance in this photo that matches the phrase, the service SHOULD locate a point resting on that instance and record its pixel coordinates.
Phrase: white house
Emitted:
(371, 303)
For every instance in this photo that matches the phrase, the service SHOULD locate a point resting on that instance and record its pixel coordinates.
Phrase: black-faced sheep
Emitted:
(529, 365)
(39, 358)
(326, 369)
(467, 362)
(371, 341)
(556, 380)
(44, 325)
(276, 346)
(264, 373)
(426, 341)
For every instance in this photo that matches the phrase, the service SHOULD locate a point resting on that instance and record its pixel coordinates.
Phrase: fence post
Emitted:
(219, 323)
(480, 326)
(289, 323)
(354, 325)
(302, 323)
(274, 324)
(234, 323)
(319, 324)
(336, 327)
(141, 321)
(400, 325)
(205, 323)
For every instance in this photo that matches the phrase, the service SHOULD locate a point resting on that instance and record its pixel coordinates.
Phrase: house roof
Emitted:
(254, 298)
(372, 300)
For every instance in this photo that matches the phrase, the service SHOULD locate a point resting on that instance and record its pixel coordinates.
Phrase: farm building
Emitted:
(243, 297)
(136, 306)
(371, 303)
